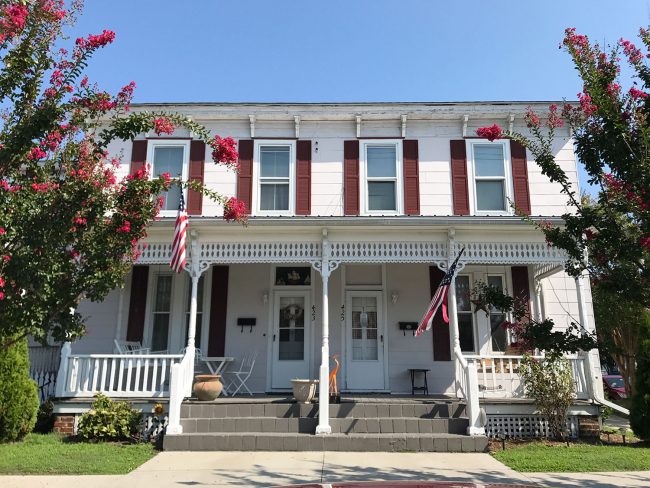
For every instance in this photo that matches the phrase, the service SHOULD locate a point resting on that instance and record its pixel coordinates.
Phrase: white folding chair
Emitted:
(237, 379)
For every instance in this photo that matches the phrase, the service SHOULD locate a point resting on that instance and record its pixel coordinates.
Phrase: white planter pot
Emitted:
(304, 390)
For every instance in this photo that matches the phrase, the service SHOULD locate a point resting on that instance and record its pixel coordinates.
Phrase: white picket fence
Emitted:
(116, 375)
(43, 367)
(498, 375)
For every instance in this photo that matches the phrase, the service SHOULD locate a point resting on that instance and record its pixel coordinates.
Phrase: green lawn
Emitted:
(52, 454)
(537, 457)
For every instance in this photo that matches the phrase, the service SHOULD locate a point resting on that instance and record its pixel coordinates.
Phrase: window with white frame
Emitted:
(275, 178)
(162, 309)
(170, 156)
(199, 313)
(381, 189)
(465, 315)
(498, 333)
(490, 171)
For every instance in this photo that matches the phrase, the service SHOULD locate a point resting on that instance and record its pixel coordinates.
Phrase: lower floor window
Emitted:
(162, 313)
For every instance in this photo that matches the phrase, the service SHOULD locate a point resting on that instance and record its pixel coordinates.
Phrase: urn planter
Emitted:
(304, 390)
(207, 387)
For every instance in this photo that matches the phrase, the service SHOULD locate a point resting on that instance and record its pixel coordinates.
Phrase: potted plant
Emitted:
(304, 390)
(207, 387)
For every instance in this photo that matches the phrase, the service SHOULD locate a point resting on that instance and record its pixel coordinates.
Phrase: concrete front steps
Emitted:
(428, 426)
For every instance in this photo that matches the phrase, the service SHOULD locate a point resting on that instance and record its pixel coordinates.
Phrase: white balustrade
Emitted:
(467, 388)
(499, 375)
(116, 375)
(182, 375)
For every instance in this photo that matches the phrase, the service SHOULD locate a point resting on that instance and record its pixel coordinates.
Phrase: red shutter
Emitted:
(459, 188)
(137, 303)
(218, 311)
(138, 155)
(520, 289)
(520, 177)
(197, 162)
(440, 329)
(245, 175)
(351, 177)
(303, 178)
(411, 177)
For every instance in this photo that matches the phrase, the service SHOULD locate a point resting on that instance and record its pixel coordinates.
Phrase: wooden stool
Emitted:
(425, 387)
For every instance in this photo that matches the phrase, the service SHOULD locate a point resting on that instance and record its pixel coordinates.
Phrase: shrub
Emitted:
(18, 393)
(109, 421)
(640, 409)
(45, 417)
(550, 383)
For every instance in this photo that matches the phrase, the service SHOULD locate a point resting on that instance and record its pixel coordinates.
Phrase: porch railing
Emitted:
(467, 388)
(43, 369)
(181, 387)
(499, 376)
(116, 375)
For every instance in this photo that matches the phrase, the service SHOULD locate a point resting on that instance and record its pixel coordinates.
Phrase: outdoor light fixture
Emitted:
(394, 297)
(265, 298)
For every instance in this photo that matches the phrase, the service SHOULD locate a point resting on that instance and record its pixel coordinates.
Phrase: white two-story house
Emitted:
(355, 211)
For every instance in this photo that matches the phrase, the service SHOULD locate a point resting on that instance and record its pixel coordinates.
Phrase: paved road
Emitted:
(264, 469)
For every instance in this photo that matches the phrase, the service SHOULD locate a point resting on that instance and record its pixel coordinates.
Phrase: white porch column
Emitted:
(195, 270)
(537, 290)
(325, 266)
(62, 375)
(595, 382)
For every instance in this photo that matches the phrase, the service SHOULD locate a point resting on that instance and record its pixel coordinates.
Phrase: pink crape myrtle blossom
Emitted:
(490, 133)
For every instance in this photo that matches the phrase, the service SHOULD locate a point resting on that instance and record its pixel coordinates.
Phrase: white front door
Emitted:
(291, 337)
(365, 341)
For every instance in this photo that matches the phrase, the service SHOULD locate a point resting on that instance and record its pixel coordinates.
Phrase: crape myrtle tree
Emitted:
(69, 228)
(609, 237)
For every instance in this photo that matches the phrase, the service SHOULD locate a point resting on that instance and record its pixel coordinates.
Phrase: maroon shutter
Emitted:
(137, 303)
(245, 175)
(197, 162)
(520, 177)
(520, 289)
(218, 310)
(303, 178)
(459, 188)
(138, 156)
(440, 330)
(411, 177)
(351, 177)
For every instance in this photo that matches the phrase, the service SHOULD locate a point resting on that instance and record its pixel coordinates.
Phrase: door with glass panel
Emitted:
(291, 338)
(365, 341)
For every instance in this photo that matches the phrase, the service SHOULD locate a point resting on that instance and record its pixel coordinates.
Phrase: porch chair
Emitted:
(237, 379)
(130, 347)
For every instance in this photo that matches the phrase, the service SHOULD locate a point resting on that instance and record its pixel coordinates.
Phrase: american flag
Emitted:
(439, 298)
(180, 233)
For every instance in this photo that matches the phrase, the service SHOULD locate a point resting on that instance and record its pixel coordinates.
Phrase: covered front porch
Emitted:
(319, 293)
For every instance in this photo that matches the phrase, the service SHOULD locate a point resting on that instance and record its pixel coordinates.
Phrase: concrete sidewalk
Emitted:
(265, 469)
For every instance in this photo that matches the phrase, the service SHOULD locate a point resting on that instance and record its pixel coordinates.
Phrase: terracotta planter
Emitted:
(304, 390)
(207, 387)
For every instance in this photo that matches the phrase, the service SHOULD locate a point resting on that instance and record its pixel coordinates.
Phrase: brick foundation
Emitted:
(588, 427)
(64, 424)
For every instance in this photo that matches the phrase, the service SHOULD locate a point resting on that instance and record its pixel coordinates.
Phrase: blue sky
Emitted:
(348, 50)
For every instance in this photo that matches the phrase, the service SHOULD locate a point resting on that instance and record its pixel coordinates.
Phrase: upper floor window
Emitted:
(381, 176)
(169, 156)
(489, 170)
(274, 175)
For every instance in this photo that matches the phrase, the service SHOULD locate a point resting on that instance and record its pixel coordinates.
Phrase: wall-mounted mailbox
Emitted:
(246, 322)
(404, 326)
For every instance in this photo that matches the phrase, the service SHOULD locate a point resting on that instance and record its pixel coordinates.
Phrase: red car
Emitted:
(614, 386)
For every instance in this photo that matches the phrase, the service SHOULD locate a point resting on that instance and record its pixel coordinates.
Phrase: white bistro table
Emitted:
(217, 365)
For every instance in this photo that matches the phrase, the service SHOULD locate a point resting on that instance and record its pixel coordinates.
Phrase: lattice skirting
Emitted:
(523, 426)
